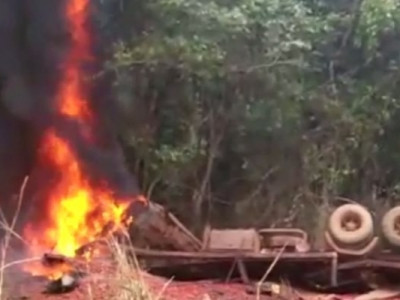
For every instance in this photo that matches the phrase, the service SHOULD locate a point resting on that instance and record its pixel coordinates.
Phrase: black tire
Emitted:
(364, 231)
(388, 225)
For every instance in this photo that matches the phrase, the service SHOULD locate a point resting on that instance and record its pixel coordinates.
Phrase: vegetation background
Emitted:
(257, 112)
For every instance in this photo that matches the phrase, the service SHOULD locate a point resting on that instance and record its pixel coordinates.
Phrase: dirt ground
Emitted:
(102, 282)
(97, 287)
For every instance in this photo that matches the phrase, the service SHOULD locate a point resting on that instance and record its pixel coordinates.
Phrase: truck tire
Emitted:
(354, 213)
(391, 226)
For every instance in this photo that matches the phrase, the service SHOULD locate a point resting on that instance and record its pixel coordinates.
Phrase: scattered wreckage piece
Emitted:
(65, 284)
(72, 272)
(282, 291)
(267, 288)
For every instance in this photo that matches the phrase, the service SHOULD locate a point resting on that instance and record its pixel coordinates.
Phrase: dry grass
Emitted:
(128, 275)
(9, 232)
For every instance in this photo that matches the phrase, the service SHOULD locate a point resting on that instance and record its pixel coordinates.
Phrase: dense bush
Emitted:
(257, 112)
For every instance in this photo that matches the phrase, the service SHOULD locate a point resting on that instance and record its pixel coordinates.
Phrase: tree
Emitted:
(261, 110)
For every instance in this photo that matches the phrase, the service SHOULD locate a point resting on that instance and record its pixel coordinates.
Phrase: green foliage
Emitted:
(257, 108)
(377, 18)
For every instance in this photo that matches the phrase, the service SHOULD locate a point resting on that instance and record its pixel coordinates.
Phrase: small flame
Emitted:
(77, 212)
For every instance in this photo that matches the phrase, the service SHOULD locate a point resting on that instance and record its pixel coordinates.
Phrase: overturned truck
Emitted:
(349, 231)
(354, 248)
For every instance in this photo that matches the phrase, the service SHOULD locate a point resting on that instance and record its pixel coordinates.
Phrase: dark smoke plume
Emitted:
(34, 41)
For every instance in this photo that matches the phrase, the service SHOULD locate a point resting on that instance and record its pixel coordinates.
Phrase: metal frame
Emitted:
(187, 258)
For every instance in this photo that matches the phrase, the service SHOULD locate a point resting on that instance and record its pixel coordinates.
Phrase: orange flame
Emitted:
(77, 211)
(72, 102)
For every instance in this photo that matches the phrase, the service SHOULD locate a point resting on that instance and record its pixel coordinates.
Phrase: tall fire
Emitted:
(77, 211)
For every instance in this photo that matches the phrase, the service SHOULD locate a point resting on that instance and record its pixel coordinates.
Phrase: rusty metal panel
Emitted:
(232, 239)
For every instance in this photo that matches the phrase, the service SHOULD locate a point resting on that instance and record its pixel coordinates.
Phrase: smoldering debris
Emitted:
(66, 283)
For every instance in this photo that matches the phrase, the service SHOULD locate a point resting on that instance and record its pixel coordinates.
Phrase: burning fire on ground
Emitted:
(77, 212)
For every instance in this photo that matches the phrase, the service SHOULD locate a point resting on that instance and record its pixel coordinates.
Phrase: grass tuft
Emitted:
(128, 275)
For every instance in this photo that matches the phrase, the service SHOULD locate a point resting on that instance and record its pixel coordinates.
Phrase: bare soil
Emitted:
(102, 283)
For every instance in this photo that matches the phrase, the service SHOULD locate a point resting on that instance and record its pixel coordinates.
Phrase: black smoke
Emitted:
(34, 42)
